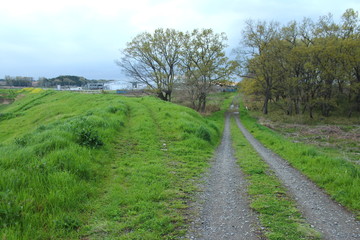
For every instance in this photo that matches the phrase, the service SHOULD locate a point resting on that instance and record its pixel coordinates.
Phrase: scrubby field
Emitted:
(99, 166)
(328, 159)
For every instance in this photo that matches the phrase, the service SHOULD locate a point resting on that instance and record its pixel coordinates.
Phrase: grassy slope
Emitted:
(99, 166)
(339, 178)
(50, 164)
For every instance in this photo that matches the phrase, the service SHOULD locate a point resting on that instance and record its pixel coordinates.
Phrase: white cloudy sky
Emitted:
(45, 38)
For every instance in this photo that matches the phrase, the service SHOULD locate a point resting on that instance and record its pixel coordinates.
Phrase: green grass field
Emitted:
(99, 166)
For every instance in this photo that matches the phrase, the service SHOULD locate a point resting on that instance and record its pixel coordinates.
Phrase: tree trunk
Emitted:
(311, 112)
(266, 102)
(297, 106)
(162, 96)
(202, 103)
(357, 101)
(165, 96)
(265, 106)
(169, 97)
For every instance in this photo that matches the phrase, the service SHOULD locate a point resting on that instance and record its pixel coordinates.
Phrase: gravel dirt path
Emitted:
(328, 217)
(223, 207)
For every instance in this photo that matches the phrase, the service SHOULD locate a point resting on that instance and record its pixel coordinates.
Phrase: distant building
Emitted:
(76, 89)
(95, 86)
(125, 85)
(134, 85)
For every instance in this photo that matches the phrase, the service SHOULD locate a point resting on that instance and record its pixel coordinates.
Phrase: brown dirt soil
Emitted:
(6, 101)
(222, 208)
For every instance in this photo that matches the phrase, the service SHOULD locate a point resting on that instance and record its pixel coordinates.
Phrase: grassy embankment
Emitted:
(99, 166)
(337, 176)
(277, 211)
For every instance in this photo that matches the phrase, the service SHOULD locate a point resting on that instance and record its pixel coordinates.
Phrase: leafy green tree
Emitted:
(350, 57)
(194, 59)
(260, 46)
(307, 66)
(63, 80)
(203, 64)
(153, 59)
(19, 81)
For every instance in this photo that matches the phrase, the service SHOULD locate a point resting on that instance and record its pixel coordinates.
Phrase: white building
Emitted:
(117, 84)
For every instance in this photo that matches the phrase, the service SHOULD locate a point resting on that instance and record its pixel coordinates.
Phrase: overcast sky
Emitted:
(45, 38)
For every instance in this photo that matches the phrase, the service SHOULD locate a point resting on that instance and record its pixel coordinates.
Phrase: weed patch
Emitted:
(88, 137)
(203, 133)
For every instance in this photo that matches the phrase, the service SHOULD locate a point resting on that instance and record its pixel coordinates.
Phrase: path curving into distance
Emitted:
(224, 212)
(328, 217)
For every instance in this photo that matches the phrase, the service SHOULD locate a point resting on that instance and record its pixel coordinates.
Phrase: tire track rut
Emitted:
(224, 212)
(328, 217)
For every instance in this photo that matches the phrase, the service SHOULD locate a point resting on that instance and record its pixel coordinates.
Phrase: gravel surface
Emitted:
(223, 207)
(326, 216)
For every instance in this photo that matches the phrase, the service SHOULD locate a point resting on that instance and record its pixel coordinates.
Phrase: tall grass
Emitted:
(338, 177)
(49, 171)
(99, 166)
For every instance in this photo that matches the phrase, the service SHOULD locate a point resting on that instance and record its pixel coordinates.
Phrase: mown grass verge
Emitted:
(277, 211)
(99, 166)
(338, 177)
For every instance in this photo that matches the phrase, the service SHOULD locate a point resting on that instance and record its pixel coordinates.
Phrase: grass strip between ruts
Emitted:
(337, 176)
(278, 215)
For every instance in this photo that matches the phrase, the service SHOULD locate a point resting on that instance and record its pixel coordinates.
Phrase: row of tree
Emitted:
(63, 80)
(195, 59)
(304, 66)
(19, 81)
